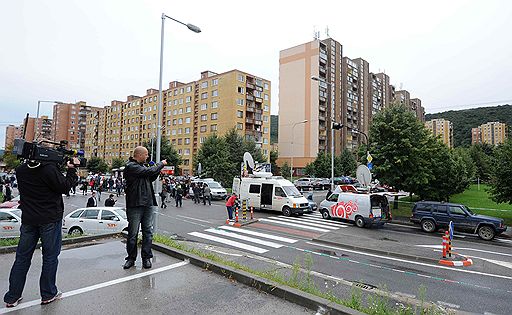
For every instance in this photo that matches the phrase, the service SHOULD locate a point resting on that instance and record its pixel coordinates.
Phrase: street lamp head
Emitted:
(194, 28)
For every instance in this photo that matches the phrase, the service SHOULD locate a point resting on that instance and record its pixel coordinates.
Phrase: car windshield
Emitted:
(17, 212)
(468, 210)
(214, 185)
(122, 213)
(291, 191)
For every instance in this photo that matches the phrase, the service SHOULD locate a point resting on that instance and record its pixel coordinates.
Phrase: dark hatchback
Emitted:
(431, 215)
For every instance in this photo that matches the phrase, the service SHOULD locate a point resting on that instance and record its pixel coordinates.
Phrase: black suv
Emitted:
(431, 215)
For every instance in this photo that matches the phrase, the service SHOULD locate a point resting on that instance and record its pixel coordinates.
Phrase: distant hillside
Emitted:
(464, 120)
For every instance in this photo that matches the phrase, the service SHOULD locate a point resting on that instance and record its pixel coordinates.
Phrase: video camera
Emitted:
(37, 152)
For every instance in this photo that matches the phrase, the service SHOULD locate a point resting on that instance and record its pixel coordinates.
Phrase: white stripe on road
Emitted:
(269, 236)
(294, 220)
(324, 222)
(295, 225)
(229, 242)
(97, 286)
(245, 238)
(466, 248)
(182, 216)
(412, 262)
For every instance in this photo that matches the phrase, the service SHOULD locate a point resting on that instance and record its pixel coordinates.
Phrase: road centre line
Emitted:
(412, 262)
(97, 286)
(182, 216)
(307, 223)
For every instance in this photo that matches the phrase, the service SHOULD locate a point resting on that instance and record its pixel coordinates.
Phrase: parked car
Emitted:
(312, 204)
(11, 204)
(217, 191)
(321, 183)
(304, 183)
(10, 223)
(432, 215)
(95, 220)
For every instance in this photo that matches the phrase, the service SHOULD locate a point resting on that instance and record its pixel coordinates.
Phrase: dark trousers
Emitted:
(230, 212)
(196, 198)
(163, 205)
(51, 240)
(178, 200)
(209, 198)
(139, 216)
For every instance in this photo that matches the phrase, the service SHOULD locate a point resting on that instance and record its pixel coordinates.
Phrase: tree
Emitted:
(167, 152)
(11, 161)
(274, 155)
(501, 174)
(322, 165)
(97, 165)
(309, 170)
(482, 158)
(345, 164)
(214, 159)
(117, 163)
(400, 149)
(285, 170)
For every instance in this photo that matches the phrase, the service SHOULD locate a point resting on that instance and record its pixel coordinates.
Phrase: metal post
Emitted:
(332, 135)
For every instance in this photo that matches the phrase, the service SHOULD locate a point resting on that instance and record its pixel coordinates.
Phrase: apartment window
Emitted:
(204, 95)
(202, 139)
(266, 97)
(202, 128)
(187, 140)
(213, 128)
(189, 89)
(180, 111)
(180, 131)
(174, 122)
(204, 106)
(265, 108)
(240, 78)
(265, 86)
(175, 102)
(188, 99)
(239, 126)
(182, 90)
(257, 94)
(186, 151)
(187, 120)
(240, 102)
(214, 116)
(181, 101)
(215, 81)
(239, 114)
(204, 84)
(240, 90)
(174, 132)
(215, 104)
(175, 112)
(188, 109)
(215, 93)
(180, 142)
(187, 130)
(265, 141)
(265, 130)
(204, 117)
(265, 118)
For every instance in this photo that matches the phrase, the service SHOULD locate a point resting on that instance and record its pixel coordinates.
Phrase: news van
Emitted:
(364, 209)
(264, 191)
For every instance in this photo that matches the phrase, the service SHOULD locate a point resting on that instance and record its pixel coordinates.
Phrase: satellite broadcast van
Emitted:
(264, 191)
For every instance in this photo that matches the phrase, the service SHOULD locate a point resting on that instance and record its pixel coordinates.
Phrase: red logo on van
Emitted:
(343, 210)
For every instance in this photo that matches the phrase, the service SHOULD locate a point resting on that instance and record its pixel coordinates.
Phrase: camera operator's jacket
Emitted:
(139, 190)
(41, 190)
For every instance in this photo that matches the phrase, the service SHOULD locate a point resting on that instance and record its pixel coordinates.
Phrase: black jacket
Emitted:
(110, 202)
(41, 190)
(91, 202)
(139, 190)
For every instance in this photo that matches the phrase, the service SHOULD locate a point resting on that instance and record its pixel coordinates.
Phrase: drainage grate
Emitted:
(363, 285)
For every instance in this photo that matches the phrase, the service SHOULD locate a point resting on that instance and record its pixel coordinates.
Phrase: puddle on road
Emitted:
(331, 253)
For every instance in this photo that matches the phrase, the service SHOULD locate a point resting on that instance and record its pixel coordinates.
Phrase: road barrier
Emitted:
(252, 213)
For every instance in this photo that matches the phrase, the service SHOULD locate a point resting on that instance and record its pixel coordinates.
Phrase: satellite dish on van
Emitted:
(363, 175)
(249, 160)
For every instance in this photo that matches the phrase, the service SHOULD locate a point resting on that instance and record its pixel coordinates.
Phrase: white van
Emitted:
(271, 193)
(362, 209)
(217, 191)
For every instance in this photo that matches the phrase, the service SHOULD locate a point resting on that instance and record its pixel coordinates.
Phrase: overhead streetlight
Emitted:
(194, 29)
(293, 127)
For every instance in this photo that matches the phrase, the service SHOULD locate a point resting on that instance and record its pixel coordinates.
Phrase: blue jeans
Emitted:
(51, 240)
(139, 216)
(230, 212)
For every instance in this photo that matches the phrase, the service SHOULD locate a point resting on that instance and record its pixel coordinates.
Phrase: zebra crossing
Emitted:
(259, 242)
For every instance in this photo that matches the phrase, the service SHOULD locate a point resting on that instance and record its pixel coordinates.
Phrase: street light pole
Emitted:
(291, 167)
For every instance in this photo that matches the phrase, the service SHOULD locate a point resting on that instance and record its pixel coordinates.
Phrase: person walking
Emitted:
(230, 204)
(8, 192)
(92, 201)
(41, 185)
(179, 195)
(163, 196)
(110, 202)
(140, 203)
(207, 194)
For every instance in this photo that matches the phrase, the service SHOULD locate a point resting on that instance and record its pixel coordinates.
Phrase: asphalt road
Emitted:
(483, 287)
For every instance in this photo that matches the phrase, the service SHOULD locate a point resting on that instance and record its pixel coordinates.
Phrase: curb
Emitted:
(461, 263)
(240, 223)
(381, 252)
(281, 291)
(65, 241)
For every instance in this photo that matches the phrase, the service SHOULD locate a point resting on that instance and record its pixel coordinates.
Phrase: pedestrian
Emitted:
(140, 203)
(41, 185)
(92, 201)
(100, 189)
(110, 202)
(196, 189)
(207, 194)
(119, 187)
(8, 192)
(163, 196)
(84, 187)
(230, 204)
(179, 195)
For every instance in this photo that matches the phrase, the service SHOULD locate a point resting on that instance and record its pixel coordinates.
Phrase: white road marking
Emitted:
(412, 296)
(318, 221)
(229, 242)
(97, 286)
(269, 236)
(245, 238)
(503, 241)
(412, 262)
(182, 216)
(467, 248)
(505, 264)
(450, 305)
(306, 223)
(294, 225)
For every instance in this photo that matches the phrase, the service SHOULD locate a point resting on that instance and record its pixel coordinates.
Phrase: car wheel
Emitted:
(325, 214)
(359, 221)
(75, 231)
(486, 232)
(287, 212)
(428, 226)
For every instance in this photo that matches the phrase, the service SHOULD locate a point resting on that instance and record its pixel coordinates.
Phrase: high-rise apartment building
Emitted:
(418, 110)
(442, 128)
(192, 111)
(12, 132)
(69, 122)
(492, 133)
(342, 90)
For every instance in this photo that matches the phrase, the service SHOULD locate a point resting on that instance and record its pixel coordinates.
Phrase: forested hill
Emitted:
(464, 120)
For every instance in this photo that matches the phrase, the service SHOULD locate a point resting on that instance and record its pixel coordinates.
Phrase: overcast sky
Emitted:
(450, 54)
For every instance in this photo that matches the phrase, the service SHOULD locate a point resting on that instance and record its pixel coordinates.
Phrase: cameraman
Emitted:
(41, 185)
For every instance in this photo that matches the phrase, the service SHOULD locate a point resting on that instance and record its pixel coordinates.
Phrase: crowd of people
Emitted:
(184, 188)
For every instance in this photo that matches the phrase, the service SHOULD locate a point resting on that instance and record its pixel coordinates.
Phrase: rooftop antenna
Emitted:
(327, 31)
(316, 34)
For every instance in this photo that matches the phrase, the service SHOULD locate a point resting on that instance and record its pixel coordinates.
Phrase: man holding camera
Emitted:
(140, 201)
(41, 185)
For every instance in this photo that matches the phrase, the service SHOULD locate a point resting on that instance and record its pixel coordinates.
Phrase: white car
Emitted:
(216, 190)
(10, 223)
(95, 220)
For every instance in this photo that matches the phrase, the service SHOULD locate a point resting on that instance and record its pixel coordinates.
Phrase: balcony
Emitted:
(249, 120)
(250, 97)
(258, 100)
(322, 108)
(250, 86)
(251, 109)
(258, 122)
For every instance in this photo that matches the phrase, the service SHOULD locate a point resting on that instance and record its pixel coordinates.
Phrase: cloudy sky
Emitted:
(450, 54)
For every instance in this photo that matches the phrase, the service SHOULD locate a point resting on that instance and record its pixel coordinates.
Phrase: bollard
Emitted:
(244, 210)
(445, 244)
(449, 247)
(252, 213)
(236, 214)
